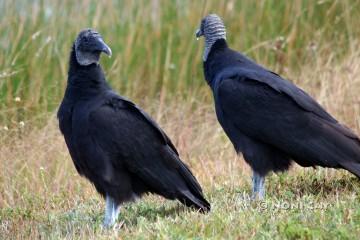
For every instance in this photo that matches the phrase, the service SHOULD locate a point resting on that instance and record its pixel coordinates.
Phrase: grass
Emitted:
(157, 63)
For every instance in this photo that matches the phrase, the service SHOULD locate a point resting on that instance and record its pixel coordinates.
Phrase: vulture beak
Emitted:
(198, 34)
(102, 47)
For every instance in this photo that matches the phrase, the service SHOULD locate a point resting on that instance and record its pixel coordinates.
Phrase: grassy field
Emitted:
(157, 63)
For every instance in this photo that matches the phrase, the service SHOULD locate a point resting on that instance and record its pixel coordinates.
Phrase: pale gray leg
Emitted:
(258, 186)
(111, 212)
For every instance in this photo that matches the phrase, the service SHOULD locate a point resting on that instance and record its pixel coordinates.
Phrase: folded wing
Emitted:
(274, 111)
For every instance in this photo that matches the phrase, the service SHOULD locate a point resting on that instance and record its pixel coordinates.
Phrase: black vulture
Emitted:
(268, 119)
(115, 144)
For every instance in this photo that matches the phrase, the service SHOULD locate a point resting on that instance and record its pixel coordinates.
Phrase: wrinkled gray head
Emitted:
(88, 47)
(212, 28)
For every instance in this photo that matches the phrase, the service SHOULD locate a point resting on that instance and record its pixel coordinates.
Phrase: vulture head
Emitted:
(212, 28)
(88, 47)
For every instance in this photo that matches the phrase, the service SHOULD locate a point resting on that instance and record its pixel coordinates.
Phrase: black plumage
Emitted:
(270, 120)
(116, 145)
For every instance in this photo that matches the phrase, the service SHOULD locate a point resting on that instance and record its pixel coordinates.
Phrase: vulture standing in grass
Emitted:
(267, 118)
(115, 144)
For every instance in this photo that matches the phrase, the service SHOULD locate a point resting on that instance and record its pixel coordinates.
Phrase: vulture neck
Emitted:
(212, 65)
(210, 41)
(85, 81)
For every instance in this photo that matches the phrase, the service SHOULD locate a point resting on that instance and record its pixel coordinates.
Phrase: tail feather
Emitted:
(197, 202)
(353, 167)
(193, 196)
(347, 148)
(337, 147)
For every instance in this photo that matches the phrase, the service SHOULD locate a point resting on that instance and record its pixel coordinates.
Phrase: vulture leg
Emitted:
(111, 211)
(258, 186)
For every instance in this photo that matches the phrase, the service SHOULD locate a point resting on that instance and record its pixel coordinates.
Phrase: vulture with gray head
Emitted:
(115, 144)
(268, 119)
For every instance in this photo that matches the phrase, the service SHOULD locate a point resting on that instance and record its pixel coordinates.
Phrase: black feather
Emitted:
(117, 146)
(271, 121)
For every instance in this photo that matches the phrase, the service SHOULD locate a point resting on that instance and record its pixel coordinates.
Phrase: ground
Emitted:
(156, 62)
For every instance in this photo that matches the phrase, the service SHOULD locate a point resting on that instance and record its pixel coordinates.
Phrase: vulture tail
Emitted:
(352, 167)
(193, 195)
(197, 202)
(346, 148)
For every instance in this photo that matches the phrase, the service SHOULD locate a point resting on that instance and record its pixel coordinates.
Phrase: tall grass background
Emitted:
(157, 63)
(155, 51)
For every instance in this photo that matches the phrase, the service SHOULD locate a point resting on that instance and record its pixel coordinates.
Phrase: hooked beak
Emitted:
(198, 33)
(101, 46)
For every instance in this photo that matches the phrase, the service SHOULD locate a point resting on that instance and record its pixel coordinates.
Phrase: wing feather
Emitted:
(141, 146)
(278, 84)
(274, 117)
